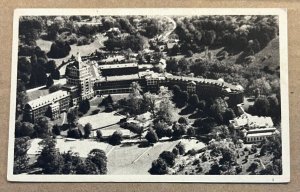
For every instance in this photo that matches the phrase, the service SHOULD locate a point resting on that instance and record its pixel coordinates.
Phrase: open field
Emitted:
(133, 160)
(83, 49)
(101, 119)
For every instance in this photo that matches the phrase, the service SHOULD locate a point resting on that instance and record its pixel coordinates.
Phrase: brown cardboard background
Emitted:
(6, 21)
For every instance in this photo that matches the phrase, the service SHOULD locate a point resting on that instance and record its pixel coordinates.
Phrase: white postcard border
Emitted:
(285, 177)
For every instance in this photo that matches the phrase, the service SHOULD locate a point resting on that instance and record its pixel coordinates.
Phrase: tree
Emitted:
(116, 138)
(30, 28)
(218, 108)
(159, 167)
(21, 98)
(181, 148)
(87, 168)
(191, 132)
(72, 117)
(214, 169)
(98, 157)
(189, 53)
(262, 85)
(50, 66)
(183, 120)
(23, 129)
(209, 37)
(220, 131)
(71, 162)
(261, 106)
(148, 103)
(135, 128)
(178, 130)
(165, 111)
(193, 101)
(50, 160)
(99, 134)
(169, 158)
(274, 110)
(183, 64)
(228, 157)
(151, 136)
(21, 159)
(74, 133)
(84, 106)
(59, 49)
(56, 129)
(38, 76)
(172, 65)
(252, 168)
(87, 130)
(174, 50)
(55, 74)
(228, 115)
(160, 128)
(42, 127)
(135, 99)
(50, 82)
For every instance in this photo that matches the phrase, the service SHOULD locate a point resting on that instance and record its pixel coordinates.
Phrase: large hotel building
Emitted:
(88, 78)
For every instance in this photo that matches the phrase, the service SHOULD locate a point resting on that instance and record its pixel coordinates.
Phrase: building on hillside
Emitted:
(81, 77)
(253, 128)
(49, 105)
(116, 84)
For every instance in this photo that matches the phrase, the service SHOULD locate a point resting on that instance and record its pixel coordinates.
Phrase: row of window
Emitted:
(250, 139)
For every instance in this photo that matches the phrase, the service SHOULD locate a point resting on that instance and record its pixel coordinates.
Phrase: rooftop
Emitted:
(119, 78)
(208, 81)
(114, 66)
(48, 99)
(252, 121)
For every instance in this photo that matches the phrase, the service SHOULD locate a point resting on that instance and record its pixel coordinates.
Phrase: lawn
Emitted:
(134, 160)
(83, 50)
(101, 119)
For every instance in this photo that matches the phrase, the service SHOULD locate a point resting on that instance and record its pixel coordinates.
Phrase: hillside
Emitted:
(269, 56)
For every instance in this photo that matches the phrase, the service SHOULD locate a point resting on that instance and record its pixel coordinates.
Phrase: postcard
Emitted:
(149, 95)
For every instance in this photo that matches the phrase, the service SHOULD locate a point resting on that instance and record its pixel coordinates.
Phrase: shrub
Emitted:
(192, 152)
(56, 130)
(196, 162)
(180, 148)
(99, 134)
(183, 120)
(59, 49)
(151, 136)
(74, 133)
(169, 158)
(253, 148)
(159, 167)
(204, 158)
(253, 167)
(116, 138)
(175, 151)
(238, 169)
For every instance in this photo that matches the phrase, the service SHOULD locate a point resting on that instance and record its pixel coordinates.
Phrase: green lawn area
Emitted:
(133, 160)
(83, 50)
(101, 119)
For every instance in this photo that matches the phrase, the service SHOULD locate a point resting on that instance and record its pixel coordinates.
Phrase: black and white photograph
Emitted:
(149, 95)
